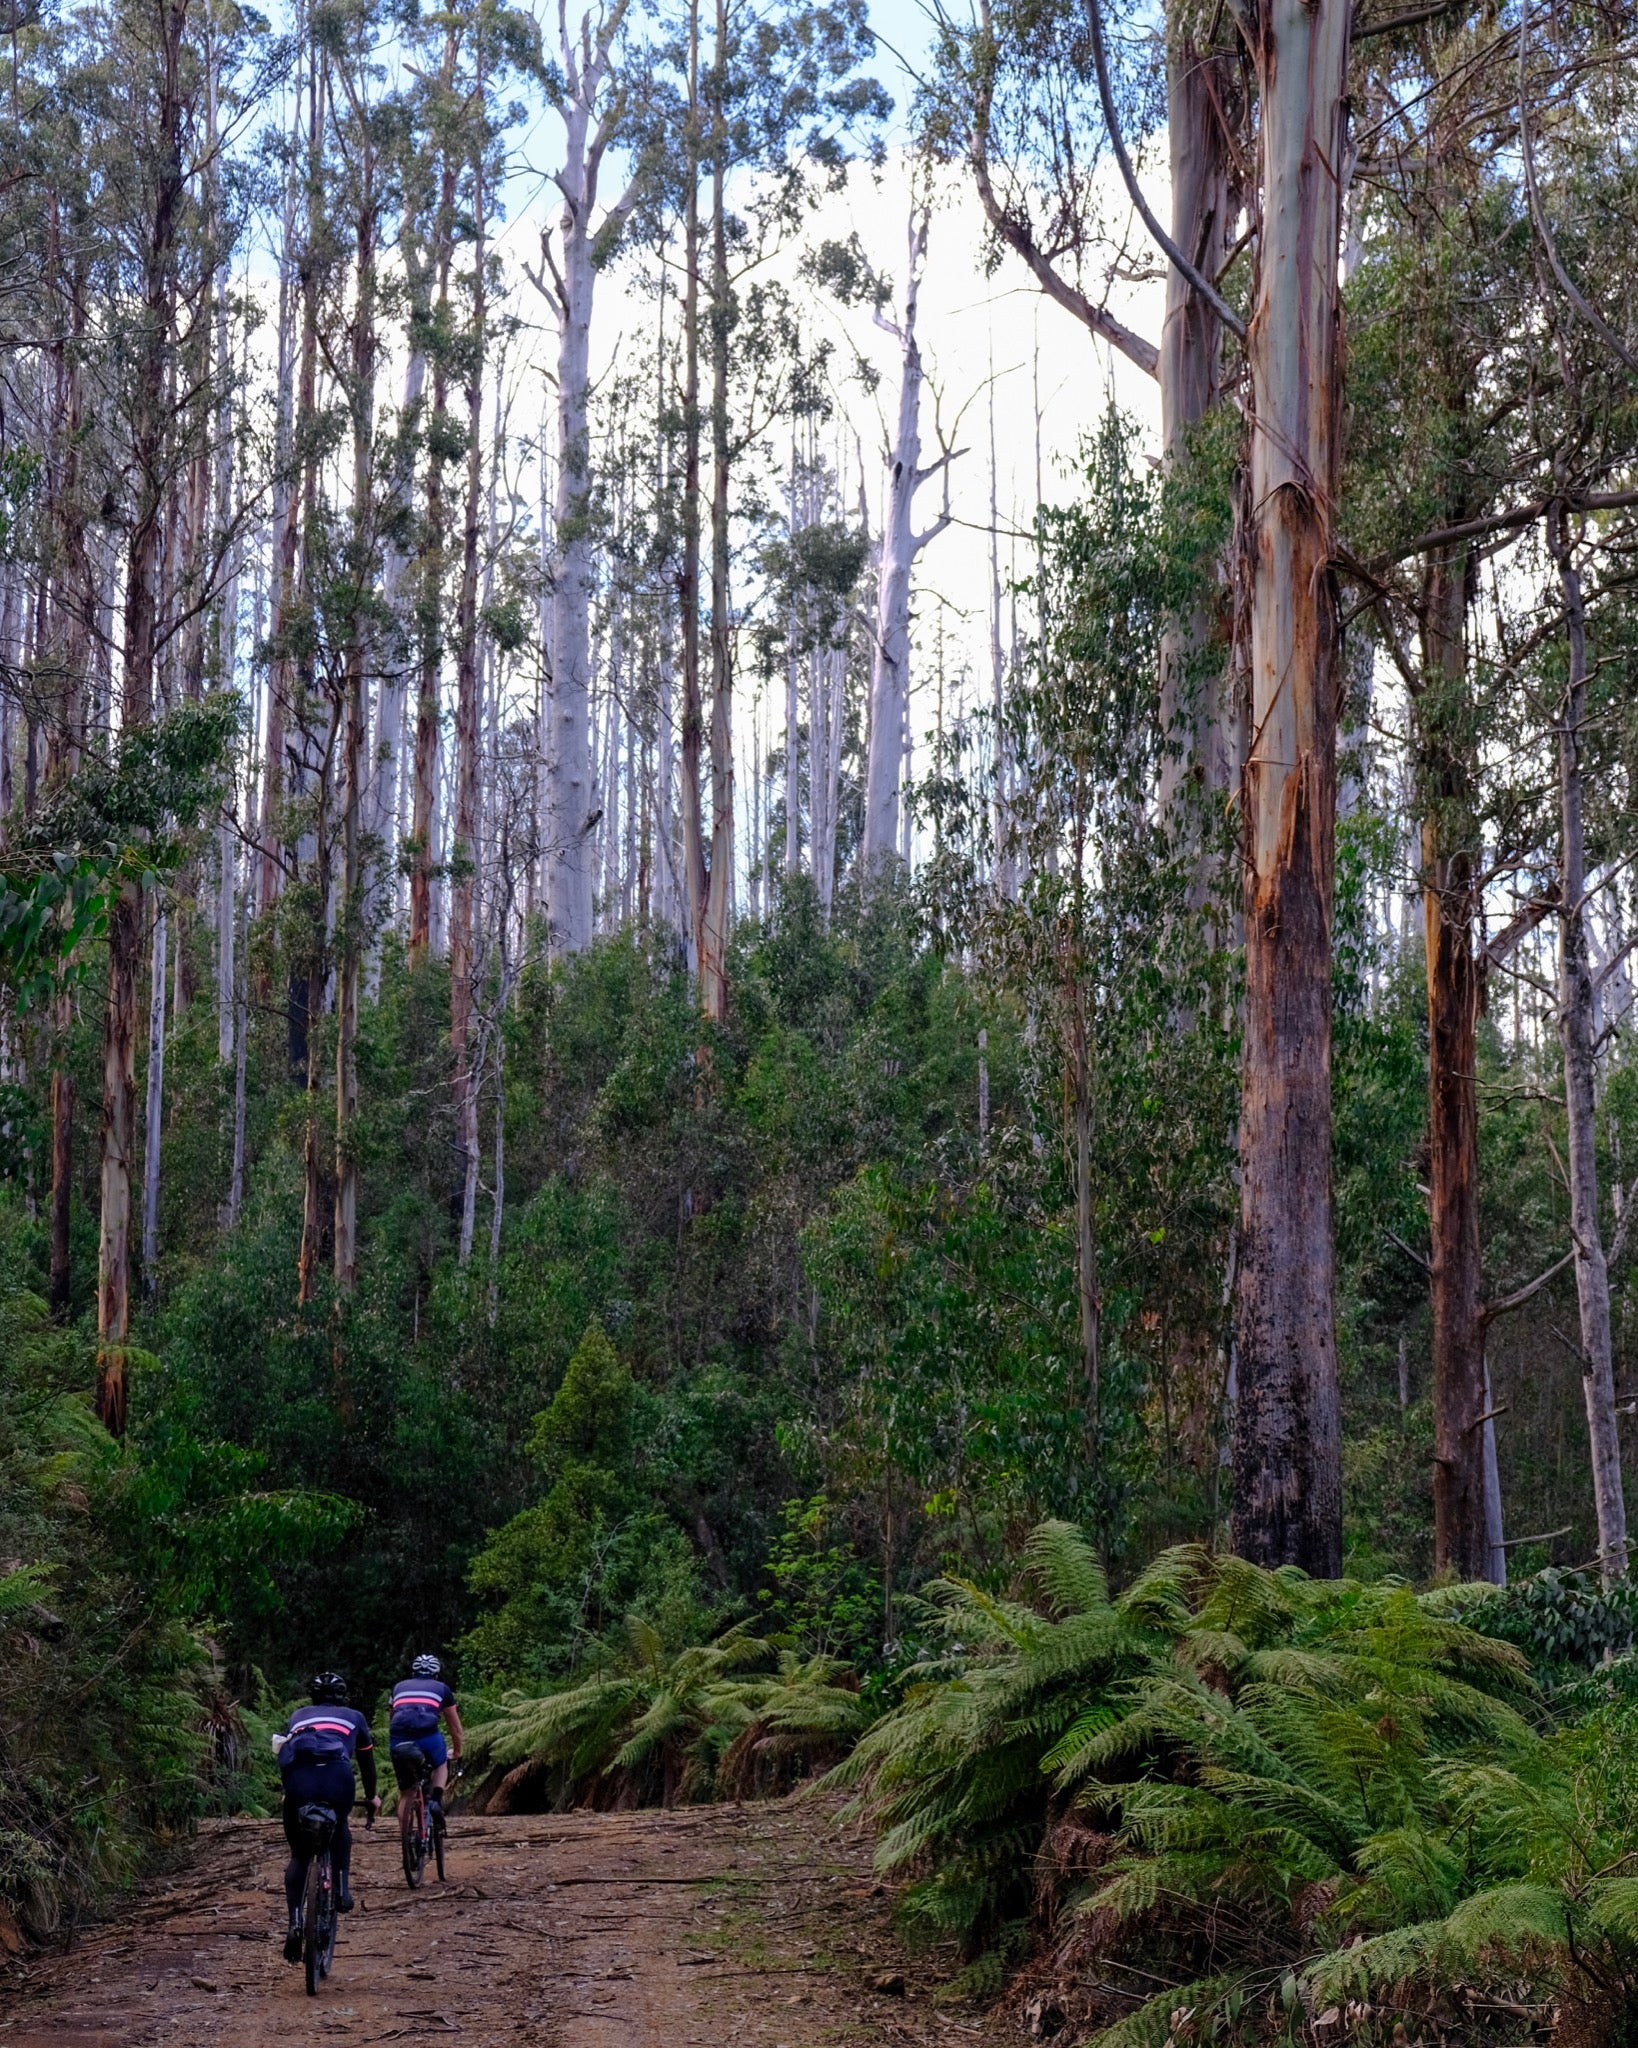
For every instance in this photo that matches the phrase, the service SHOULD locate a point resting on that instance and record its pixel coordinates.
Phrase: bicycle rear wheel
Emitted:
(410, 1828)
(314, 1963)
(328, 1919)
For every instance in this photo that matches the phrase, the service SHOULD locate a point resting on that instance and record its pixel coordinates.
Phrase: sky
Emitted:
(1004, 364)
(991, 341)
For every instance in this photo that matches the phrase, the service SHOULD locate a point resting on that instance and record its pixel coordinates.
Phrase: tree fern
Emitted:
(656, 1724)
(1285, 1766)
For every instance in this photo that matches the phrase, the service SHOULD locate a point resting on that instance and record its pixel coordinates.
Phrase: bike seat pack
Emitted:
(315, 1824)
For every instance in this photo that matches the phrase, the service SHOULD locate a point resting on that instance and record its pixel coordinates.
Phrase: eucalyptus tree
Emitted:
(154, 87)
(501, 43)
(1288, 1499)
(1133, 1098)
(1575, 107)
(1456, 420)
(901, 543)
(772, 114)
(609, 94)
(1441, 370)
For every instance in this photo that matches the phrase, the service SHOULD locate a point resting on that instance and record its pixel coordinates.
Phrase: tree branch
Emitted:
(1179, 262)
(1518, 928)
(1527, 1292)
(1538, 218)
(1413, 19)
(1502, 522)
(1018, 238)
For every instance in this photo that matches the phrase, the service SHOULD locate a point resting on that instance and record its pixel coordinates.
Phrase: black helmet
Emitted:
(426, 1667)
(328, 1689)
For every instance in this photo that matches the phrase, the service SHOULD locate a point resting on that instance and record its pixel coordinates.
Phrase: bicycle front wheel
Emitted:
(438, 1842)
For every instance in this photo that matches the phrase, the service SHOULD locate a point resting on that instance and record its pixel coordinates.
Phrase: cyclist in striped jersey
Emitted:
(419, 1703)
(316, 1755)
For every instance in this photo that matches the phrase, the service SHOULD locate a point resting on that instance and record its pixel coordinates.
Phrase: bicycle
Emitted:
(420, 1822)
(318, 1910)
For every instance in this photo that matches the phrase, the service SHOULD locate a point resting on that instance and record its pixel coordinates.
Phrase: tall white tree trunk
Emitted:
(227, 618)
(900, 545)
(1577, 1041)
(1006, 867)
(386, 814)
(570, 849)
(592, 112)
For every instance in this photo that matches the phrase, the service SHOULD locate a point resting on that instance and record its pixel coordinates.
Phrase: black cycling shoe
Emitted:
(344, 1899)
(292, 1943)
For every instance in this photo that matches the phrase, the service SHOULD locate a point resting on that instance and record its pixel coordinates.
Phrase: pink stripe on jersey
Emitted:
(416, 1699)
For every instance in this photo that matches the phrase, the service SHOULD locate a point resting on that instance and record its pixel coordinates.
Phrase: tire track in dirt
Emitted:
(706, 1927)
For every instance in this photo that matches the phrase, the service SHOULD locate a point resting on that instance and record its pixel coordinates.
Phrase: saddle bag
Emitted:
(411, 1764)
(314, 1826)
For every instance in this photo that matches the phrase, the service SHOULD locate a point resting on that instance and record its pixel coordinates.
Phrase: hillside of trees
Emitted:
(1019, 1194)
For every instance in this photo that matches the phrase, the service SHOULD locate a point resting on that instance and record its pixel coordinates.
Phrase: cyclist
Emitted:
(419, 1702)
(316, 1755)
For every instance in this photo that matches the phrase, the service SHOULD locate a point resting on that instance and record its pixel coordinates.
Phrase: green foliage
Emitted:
(652, 1722)
(1565, 1622)
(120, 822)
(820, 1598)
(565, 1569)
(118, 1726)
(1235, 1736)
(953, 1777)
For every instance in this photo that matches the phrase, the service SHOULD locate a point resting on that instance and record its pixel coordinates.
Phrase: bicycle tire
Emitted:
(311, 1929)
(438, 1842)
(329, 1921)
(410, 1810)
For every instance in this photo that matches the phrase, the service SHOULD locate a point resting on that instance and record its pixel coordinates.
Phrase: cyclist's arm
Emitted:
(366, 1769)
(457, 1735)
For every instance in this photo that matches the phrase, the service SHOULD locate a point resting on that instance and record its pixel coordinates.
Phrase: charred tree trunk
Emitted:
(154, 1119)
(62, 1165)
(1462, 1536)
(1287, 1450)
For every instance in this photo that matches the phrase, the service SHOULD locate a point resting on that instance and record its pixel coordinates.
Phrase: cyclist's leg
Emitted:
(295, 1875)
(341, 1842)
(436, 1752)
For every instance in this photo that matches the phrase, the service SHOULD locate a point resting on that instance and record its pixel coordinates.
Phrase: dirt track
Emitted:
(695, 1929)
